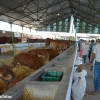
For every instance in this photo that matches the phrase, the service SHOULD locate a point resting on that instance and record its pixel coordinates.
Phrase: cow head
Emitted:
(44, 56)
(7, 79)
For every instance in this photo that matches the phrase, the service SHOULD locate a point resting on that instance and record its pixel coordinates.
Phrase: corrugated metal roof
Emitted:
(28, 12)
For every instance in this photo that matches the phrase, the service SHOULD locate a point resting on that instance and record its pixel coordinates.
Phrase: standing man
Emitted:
(85, 49)
(93, 47)
(96, 56)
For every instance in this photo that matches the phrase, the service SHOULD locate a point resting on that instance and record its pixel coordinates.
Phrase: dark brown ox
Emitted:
(31, 60)
(7, 79)
(6, 39)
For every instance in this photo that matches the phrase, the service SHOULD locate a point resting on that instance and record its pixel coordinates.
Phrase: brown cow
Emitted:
(52, 53)
(48, 54)
(41, 53)
(59, 45)
(47, 42)
(7, 79)
(31, 60)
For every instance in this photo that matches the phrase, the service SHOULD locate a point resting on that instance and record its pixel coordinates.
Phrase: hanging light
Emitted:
(58, 14)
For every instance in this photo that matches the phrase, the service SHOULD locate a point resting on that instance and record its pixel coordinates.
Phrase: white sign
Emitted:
(17, 34)
(5, 96)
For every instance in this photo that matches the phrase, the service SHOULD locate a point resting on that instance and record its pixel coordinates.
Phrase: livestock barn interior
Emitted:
(39, 48)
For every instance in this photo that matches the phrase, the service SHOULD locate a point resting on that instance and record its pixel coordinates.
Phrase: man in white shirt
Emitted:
(96, 56)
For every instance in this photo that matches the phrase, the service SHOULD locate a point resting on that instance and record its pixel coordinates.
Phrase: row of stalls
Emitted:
(40, 86)
(19, 46)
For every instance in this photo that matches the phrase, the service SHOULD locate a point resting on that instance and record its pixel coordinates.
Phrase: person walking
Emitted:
(81, 46)
(91, 44)
(96, 56)
(85, 50)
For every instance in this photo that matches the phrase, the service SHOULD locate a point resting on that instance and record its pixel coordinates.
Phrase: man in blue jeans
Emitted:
(96, 55)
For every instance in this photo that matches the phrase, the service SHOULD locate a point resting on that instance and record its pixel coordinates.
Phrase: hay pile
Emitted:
(18, 51)
(31, 47)
(22, 72)
(7, 62)
(5, 48)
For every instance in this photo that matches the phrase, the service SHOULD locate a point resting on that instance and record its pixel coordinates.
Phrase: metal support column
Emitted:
(22, 33)
(71, 24)
(63, 25)
(12, 39)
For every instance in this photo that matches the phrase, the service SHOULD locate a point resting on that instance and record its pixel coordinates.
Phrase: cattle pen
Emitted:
(52, 90)
(47, 48)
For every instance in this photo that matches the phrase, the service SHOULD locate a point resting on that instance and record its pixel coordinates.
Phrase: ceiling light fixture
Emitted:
(58, 14)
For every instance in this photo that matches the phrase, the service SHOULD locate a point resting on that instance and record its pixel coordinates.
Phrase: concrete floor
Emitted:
(6, 55)
(89, 83)
(90, 86)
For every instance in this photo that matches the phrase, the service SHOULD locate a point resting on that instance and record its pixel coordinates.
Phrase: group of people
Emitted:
(91, 50)
(84, 49)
